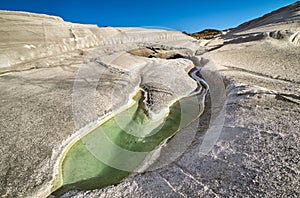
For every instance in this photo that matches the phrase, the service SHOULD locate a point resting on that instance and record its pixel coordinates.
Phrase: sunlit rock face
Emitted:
(285, 17)
(26, 37)
(58, 77)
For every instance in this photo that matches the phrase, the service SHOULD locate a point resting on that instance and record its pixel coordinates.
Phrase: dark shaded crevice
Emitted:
(144, 101)
(291, 96)
(203, 121)
(171, 186)
(161, 52)
(176, 56)
(278, 96)
(111, 68)
(212, 48)
(234, 91)
(282, 98)
(4, 179)
(259, 74)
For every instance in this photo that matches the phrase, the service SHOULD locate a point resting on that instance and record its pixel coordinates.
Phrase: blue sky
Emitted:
(184, 15)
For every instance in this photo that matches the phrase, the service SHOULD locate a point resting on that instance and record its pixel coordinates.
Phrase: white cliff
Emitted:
(57, 77)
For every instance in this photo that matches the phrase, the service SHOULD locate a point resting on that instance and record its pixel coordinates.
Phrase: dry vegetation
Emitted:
(205, 34)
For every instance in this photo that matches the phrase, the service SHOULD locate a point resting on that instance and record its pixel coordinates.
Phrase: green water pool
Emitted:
(112, 151)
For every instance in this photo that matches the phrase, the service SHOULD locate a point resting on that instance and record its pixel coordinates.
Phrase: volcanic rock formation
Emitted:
(57, 78)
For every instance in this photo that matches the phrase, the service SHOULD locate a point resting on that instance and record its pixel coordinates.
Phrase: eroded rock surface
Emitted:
(256, 153)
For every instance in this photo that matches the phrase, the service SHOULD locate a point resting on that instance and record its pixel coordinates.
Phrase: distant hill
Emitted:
(205, 34)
